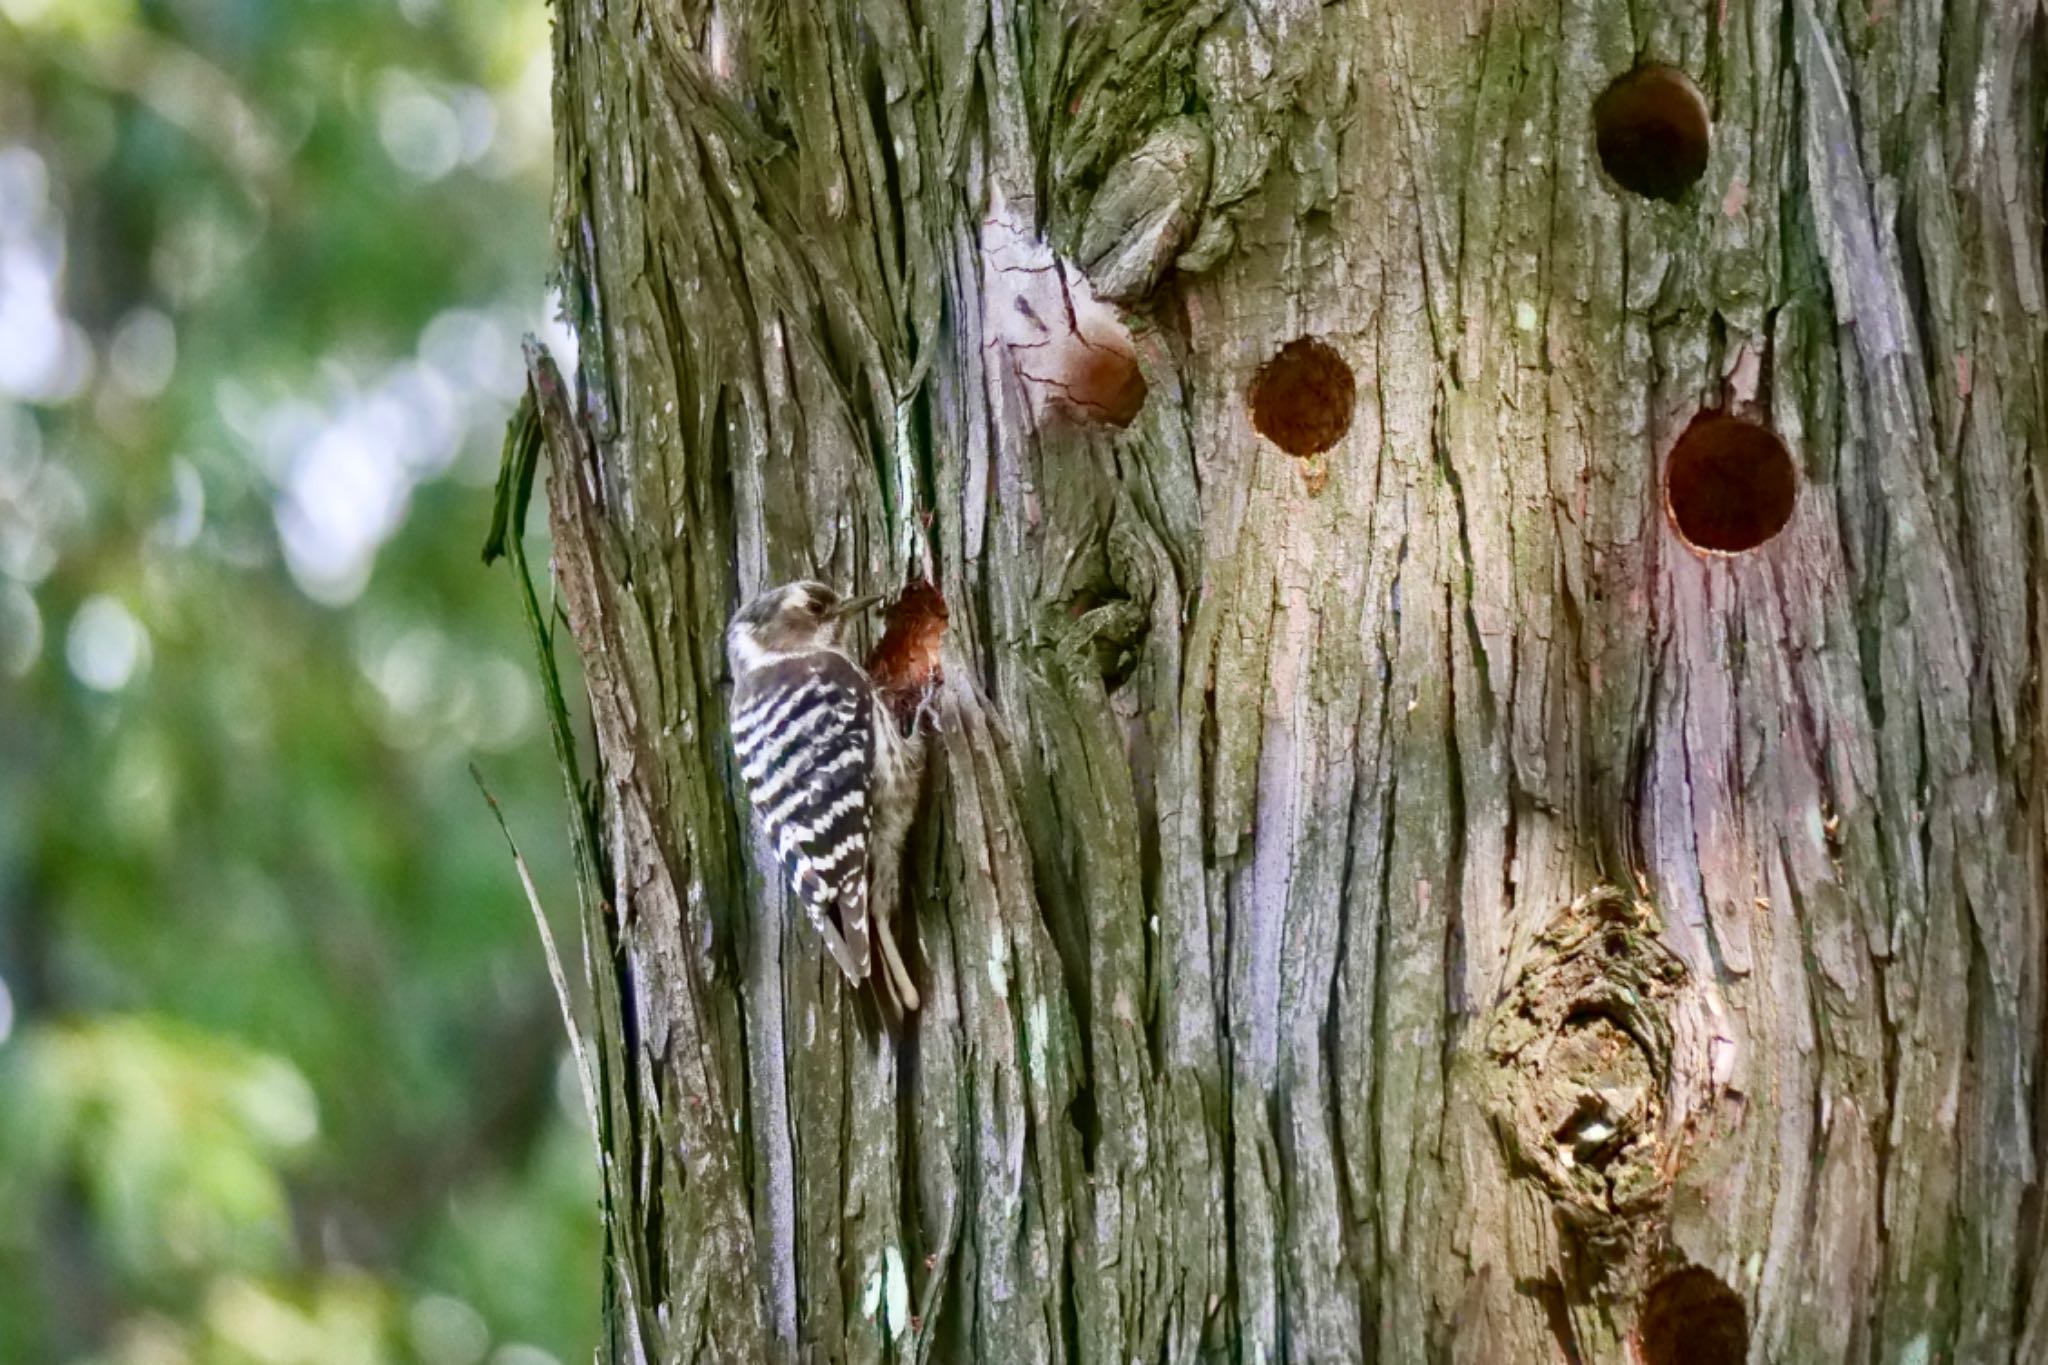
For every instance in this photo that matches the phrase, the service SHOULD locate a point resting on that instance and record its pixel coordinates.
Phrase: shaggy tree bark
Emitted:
(1399, 902)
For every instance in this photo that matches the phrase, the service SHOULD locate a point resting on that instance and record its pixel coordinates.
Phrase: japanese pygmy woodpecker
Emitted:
(832, 775)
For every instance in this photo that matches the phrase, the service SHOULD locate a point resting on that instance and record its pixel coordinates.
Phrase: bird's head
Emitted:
(788, 620)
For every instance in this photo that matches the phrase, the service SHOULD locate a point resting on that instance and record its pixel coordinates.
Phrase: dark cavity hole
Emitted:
(1589, 1013)
(1302, 397)
(1652, 130)
(1729, 485)
(1691, 1318)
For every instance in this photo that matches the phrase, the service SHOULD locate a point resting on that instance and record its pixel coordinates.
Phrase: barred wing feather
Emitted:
(802, 728)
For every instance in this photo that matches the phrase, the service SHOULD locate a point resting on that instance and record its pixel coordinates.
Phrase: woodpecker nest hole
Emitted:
(1653, 132)
(905, 663)
(1729, 485)
(1690, 1318)
(1583, 1046)
(1301, 399)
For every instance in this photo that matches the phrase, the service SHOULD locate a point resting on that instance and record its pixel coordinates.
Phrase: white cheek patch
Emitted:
(744, 652)
(1070, 351)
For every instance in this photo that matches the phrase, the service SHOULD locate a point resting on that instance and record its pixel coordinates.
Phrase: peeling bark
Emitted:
(1399, 905)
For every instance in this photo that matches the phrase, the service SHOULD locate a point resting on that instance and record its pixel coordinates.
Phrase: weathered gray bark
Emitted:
(1308, 840)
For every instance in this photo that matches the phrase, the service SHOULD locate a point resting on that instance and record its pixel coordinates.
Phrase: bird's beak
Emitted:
(853, 606)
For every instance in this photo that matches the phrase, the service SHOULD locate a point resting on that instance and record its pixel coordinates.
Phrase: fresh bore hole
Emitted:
(1302, 397)
(1652, 130)
(1690, 1318)
(905, 663)
(1729, 484)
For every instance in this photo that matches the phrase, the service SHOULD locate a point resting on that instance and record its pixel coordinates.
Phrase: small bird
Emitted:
(830, 771)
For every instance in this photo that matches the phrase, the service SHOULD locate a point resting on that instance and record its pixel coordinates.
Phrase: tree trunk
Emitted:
(1415, 899)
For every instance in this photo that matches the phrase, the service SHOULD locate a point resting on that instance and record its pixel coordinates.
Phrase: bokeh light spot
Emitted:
(106, 646)
(447, 1331)
(24, 191)
(277, 1103)
(420, 131)
(181, 526)
(519, 1353)
(143, 353)
(21, 630)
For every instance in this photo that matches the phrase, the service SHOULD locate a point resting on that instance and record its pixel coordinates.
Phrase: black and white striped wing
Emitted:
(802, 727)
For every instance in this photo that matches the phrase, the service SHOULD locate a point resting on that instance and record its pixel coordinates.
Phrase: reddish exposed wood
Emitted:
(905, 661)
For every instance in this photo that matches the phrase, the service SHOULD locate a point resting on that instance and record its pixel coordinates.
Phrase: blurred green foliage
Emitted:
(281, 1077)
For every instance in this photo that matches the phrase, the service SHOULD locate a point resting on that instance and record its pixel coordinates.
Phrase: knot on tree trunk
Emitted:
(1582, 1044)
(1146, 211)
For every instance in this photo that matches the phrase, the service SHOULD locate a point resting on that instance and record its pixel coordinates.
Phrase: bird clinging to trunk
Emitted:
(832, 773)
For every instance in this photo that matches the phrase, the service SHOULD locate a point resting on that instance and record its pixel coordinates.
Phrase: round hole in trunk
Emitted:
(1729, 485)
(1301, 399)
(1690, 1318)
(1652, 131)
